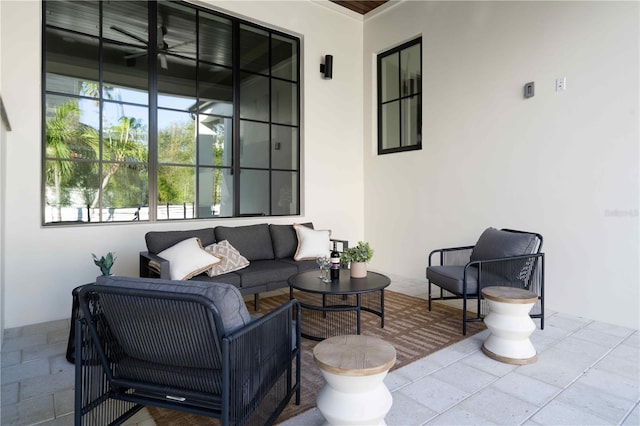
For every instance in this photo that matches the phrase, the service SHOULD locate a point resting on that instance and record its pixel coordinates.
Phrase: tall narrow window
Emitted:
(165, 110)
(400, 98)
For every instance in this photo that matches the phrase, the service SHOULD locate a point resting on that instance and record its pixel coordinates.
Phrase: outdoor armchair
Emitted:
(500, 258)
(186, 346)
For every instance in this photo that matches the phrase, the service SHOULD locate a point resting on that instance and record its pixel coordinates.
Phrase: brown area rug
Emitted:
(414, 331)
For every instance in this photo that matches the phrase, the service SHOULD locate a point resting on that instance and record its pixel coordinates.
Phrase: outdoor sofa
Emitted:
(256, 258)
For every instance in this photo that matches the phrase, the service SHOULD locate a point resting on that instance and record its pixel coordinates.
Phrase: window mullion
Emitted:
(100, 112)
(400, 95)
(196, 197)
(235, 161)
(152, 160)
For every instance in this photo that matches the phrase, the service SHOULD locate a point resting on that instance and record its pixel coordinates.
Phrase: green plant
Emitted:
(105, 262)
(362, 252)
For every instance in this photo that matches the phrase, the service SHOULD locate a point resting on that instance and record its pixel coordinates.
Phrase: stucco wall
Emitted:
(564, 164)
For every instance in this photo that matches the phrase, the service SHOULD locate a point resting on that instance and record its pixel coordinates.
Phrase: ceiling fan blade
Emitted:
(135, 55)
(181, 44)
(128, 34)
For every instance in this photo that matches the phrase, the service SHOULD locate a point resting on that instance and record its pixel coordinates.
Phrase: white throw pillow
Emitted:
(231, 259)
(188, 259)
(312, 243)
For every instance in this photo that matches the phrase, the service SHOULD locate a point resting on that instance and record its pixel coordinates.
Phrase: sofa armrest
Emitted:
(147, 271)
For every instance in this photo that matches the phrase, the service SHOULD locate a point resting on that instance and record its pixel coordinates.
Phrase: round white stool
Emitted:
(354, 367)
(510, 325)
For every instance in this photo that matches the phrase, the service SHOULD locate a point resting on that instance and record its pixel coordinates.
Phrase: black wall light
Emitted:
(327, 67)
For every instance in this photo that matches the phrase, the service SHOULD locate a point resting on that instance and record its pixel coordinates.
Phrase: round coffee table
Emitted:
(354, 368)
(333, 309)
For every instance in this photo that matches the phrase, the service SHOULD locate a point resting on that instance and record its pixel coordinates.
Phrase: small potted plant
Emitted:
(358, 257)
(105, 262)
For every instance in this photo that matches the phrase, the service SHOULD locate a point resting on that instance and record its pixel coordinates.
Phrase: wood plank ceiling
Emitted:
(360, 6)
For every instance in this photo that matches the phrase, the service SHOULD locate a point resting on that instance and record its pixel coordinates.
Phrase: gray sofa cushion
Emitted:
(285, 240)
(302, 265)
(252, 241)
(262, 272)
(494, 243)
(227, 298)
(162, 240)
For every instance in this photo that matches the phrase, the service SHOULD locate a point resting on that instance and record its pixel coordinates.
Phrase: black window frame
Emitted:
(152, 164)
(380, 103)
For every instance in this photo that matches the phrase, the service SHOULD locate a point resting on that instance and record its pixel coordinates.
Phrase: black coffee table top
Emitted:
(308, 281)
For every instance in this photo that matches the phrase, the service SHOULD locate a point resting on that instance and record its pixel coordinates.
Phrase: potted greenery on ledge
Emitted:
(358, 257)
(105, 262)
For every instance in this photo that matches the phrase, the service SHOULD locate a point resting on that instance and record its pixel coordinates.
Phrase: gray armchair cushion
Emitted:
(494, 243)
(451, 278)
(285, 240)
(252, 241)
(227, 298)
(162, 240)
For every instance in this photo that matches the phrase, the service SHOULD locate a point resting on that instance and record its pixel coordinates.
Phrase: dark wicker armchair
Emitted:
(500, 258)
(189, 346)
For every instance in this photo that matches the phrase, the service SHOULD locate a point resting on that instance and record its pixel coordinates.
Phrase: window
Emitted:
(400, 98)
(164, 110)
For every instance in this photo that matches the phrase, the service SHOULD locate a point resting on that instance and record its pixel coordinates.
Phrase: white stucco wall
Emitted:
(2, 204)
(43, 264)
(564, 164)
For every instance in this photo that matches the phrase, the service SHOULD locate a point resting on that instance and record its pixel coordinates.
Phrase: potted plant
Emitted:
(105, 262)
(357, 256)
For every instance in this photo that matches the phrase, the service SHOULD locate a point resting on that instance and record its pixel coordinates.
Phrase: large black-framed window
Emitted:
(400, 98)
(165, 110)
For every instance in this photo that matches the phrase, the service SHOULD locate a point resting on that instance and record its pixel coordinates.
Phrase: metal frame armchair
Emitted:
(500, 258)
(168, 347)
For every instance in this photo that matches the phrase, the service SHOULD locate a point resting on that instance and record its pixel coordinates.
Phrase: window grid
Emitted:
(385, 123)
(202, 167)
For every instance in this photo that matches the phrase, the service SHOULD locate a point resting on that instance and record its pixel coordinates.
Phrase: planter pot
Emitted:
(358, 269)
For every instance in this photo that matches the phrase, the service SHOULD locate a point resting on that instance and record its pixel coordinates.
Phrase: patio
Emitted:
(587, 373)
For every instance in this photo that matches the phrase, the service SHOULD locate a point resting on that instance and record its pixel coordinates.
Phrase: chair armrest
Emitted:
(260, 354)
(526, 269)
(147, 271)
(504, 259)
(457, 251)
(285, 320)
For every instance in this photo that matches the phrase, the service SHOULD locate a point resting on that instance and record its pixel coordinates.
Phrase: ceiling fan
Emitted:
(161, 44)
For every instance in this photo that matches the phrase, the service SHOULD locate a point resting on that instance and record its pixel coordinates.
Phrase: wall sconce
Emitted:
(327, 67)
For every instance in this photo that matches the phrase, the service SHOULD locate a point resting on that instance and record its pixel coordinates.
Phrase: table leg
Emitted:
(358, 313)
(382, 308)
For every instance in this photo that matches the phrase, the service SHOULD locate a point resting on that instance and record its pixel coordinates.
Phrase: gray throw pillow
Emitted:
(252, 241)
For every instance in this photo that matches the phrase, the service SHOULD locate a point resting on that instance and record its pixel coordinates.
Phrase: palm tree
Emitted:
(121, 143)
(61, 130)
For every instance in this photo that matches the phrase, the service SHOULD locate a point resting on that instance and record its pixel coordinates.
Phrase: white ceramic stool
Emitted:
(354, 367)
(510, 325)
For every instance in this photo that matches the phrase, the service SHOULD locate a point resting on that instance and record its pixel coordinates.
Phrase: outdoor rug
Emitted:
(414, 331)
